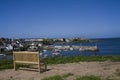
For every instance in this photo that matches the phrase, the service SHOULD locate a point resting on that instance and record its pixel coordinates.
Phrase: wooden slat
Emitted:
(25, 52)
(27, 57)
(26, 62)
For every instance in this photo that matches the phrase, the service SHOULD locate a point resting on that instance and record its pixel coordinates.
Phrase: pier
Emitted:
(80, 48)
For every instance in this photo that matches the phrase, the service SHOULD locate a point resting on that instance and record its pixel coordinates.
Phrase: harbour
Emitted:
(107, 47)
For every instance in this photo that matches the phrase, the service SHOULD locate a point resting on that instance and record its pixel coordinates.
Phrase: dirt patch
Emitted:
(103, 69)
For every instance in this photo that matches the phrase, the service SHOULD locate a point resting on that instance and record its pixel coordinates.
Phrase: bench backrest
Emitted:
(26, 57)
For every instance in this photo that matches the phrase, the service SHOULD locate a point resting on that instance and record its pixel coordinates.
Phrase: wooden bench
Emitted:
(26, 57)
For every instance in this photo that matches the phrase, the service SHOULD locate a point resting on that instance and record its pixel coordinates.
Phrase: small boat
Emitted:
(55, 54)
(44, 50)
(71, 49)
(81, 49)
(57, 50)
(2, 55)
(41, 53)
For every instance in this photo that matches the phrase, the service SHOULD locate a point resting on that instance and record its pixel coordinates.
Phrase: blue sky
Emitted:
(59, 18)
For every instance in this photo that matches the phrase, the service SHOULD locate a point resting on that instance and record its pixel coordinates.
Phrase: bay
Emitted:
(106, 46)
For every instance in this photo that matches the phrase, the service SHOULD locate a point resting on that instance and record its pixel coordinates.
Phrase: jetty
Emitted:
(73, 47)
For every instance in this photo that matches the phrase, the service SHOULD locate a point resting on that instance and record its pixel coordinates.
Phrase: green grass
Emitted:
(8, 64)
(92, 78)
(63, 60)
(58, 77)
(67, 75)
(89, 78)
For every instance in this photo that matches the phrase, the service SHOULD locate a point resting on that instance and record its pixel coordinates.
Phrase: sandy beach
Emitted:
(102, 69)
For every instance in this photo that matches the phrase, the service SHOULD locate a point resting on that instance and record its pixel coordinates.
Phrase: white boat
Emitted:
(57, 50)
(41, 54)
(71, 49)
(81, 49)
(44, 50)
(55, 54)
(2, 55)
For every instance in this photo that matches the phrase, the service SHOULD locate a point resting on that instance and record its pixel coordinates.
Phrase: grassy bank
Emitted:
(5, 64)
(63, 60)
(8, 64)
(64, 77)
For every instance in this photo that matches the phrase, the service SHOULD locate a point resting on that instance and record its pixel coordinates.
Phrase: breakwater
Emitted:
(80, 48)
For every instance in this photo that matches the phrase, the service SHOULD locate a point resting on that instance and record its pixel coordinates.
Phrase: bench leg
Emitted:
(14, 66)
(45, 67)
(39, 68)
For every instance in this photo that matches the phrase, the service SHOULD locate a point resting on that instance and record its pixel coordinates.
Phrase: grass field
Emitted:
(64, 77)
(8, 64)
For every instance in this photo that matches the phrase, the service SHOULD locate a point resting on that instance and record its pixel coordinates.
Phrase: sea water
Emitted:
(107, 47)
